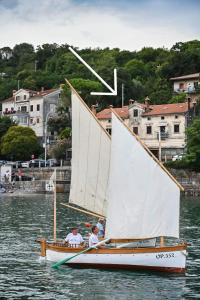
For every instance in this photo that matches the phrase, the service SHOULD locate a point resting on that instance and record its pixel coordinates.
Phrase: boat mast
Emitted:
(54, 208)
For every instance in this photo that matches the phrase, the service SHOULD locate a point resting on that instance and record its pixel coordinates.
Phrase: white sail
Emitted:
(90, 159)
(143, 199)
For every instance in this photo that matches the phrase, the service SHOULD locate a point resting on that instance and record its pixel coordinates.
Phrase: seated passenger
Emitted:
(74, 239)
(93, 239)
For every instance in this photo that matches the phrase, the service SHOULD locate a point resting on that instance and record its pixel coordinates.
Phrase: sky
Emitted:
(127, 24)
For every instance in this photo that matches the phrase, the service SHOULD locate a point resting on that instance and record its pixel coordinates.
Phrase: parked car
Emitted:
(36, 163)
(52, 162)
(2, 162)
(177, 157)
(18, 164)
(25, 164)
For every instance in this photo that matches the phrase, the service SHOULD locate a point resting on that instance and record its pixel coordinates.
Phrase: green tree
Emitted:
(59, 150)
(193, 145)
(58, 123)
(19, 143)
(5, 124)
(65, 134)
(179, 98)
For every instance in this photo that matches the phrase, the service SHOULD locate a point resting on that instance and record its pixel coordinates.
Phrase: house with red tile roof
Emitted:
(104, 116)
(160, 127)
(31, 108)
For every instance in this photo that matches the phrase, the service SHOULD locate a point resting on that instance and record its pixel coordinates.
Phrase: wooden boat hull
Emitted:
(168, 259)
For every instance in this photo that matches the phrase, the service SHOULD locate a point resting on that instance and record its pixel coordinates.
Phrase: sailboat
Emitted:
(119, 178)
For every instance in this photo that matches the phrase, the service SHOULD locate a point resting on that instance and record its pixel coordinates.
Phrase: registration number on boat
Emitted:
(164, 255)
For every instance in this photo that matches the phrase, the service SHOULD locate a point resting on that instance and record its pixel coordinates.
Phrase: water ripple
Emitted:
(24, 276)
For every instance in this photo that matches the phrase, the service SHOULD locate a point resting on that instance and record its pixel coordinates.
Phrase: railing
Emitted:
(163, 135)
(190, 90)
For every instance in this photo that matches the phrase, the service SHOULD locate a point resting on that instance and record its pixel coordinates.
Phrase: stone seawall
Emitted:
(189, 180)
(39, 187)
(41, 180)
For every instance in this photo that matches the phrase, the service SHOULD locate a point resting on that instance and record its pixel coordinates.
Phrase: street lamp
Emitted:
(45, 136)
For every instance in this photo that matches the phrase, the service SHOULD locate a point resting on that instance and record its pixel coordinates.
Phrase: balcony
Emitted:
(190, 90)
(163, 135)
(9, 112)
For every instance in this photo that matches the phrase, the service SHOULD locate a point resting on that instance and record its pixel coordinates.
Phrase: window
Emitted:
(176, 128)
(149, 131)
(38, 107)
(24, 97)
(31, 120)
(135, 130)
(31, 107)
(23, 120)
(148, 118)
(181, 86)
(162, 117)
(135, 113)
(23, 109)
(17, 98)
(162, 129)
(109, 130)
(109, 120)
(38, 120)
(176, 117)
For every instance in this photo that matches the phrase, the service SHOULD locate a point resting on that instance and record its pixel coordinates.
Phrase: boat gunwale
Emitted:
(62, 248)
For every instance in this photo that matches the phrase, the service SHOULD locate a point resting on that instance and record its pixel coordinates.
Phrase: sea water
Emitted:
(24, 276)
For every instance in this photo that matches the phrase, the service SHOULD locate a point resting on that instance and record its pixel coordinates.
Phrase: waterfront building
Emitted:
(31, 108)
(159, 126)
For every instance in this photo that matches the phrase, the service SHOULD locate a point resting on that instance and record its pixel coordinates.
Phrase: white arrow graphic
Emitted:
(113, 91)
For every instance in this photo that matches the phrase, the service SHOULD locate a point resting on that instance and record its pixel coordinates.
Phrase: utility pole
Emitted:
(122, 94)
(36, 62)
(18, 81)
(159, 145)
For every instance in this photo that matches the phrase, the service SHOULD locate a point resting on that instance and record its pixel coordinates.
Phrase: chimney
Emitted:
(188, 102)
(42, 89)
(131, 101)
(146, 101)
(93, 109)
(13, 92)
(110, 106)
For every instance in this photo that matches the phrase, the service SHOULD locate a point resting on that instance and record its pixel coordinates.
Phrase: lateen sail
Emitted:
(143, 199)
(90, 159)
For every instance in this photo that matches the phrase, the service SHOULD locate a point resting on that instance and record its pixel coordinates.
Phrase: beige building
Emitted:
(31, 108)
(159, 126)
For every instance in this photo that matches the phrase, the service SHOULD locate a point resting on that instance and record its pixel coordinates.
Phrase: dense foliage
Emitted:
(19, 143)
(193, 145)
(5, 124)
(145, 72)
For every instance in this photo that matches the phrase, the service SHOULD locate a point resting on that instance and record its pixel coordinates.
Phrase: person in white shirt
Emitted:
(74, 239)
(93, 239)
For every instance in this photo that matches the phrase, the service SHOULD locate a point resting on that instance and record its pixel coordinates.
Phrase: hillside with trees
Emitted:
(144, 72)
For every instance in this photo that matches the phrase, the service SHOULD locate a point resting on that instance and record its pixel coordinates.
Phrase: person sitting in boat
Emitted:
(74, 239)
(101, 226)
(93, 239)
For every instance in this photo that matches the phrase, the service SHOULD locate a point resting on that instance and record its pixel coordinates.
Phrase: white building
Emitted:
(31, 108)
(151, 122)
(189, 84)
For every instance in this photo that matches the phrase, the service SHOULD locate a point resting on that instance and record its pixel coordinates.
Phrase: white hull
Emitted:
(173, 261)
